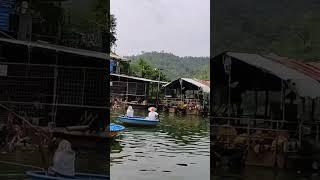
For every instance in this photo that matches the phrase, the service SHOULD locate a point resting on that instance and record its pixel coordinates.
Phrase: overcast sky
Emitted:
(181, 27)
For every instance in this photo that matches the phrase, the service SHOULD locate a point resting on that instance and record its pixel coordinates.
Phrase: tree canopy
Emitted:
(173, 66)
(143, 69)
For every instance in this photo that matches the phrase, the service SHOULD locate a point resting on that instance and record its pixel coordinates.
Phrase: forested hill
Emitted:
(285, 27)
(174, 66)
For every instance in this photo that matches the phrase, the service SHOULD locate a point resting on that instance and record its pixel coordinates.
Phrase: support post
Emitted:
(266, 110)
(317, 133)
(282, 105)
(301, 121)
(158, 92)
(54, 100)
(83, 86)
(229, 97)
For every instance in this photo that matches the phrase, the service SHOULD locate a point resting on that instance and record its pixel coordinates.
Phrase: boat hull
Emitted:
(41, 175)
(138, 121)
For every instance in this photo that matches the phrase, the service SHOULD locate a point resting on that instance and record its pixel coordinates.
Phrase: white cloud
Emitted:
(178, 26)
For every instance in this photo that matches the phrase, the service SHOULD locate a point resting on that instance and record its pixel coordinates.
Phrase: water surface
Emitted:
(178, 149)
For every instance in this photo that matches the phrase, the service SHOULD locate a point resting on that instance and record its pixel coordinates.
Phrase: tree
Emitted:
(143, 69)
(203, 73)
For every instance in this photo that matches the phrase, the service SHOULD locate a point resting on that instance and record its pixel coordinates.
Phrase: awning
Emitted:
(304, 85)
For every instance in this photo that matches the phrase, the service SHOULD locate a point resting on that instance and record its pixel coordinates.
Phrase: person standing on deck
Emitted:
(130, 111)
(153, 115)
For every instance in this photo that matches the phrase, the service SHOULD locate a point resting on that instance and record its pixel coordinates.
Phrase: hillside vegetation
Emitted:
(174, 66)
(285, 27)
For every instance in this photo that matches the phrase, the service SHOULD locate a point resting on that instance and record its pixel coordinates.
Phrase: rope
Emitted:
(23, 119)
(19, 164)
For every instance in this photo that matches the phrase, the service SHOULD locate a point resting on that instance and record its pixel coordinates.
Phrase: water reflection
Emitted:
(84, 161)
(177, 149)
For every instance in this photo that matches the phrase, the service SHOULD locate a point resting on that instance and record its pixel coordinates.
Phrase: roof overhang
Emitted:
(304, 85)
(195, 82)
(117, 57)
(137, 78)
(82, 52)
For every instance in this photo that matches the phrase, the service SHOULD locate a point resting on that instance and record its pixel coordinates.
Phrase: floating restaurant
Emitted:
(265, 110)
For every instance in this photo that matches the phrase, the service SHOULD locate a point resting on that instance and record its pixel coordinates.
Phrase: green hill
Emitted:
(174, 66)
(285, 27)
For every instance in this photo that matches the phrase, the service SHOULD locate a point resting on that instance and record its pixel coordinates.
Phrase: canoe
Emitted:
(138, 120)
(41, 175)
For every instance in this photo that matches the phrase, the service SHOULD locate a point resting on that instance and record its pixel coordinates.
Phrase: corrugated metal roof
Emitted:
(304, 85)
(117, 57)
(308, 68)
(315, 64)
(205, 82)
(138, 78)
(199, 83)
(65, 49)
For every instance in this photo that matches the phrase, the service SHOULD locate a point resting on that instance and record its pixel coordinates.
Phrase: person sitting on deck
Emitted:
(63, 160)
(130, 111)
(153, 115)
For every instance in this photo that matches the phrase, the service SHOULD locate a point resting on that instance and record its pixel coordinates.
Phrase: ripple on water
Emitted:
(175, 140)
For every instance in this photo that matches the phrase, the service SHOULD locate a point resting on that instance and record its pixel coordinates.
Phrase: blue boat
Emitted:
(138, 120)
(41, 175)
(114, 130)
(116, 127)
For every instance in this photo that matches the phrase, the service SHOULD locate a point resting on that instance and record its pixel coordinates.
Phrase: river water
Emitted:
(84, 163)
(178, 149)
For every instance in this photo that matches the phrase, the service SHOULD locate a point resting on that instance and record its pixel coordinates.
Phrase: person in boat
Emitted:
(63, 160)
(153, 115)
(130, 111)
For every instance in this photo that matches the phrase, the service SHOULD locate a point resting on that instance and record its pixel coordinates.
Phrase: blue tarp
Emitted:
(112, 65)
(6, 7)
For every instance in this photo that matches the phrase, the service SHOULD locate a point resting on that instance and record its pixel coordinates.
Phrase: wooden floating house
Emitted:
(266, 108)
(129, 90)
(134, 91)
(186, 95)
(42, 78)
(48, 83)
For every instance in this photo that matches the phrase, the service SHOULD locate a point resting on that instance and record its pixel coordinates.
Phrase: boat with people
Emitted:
(151, 120)
(138, 120)
(42, 175)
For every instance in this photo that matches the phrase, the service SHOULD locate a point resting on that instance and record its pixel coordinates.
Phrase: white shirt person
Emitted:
(153, 115)
(130, 111)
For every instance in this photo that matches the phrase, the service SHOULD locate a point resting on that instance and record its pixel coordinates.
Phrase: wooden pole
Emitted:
(54, 99)
(145, 91)
(266, 104)
(317, 133)
(301, 121)
(229, 97)
(83, 86)
(256, 106)
(283, 100)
